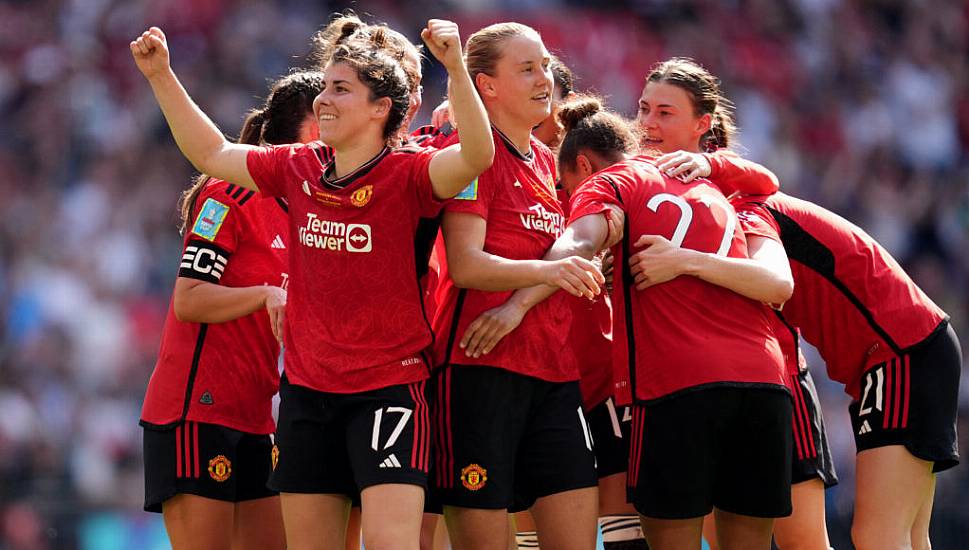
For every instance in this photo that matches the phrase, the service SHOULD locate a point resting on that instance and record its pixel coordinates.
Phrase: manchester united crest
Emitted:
(220, 468)
(473, 477)
(361, 196)
(275, 456)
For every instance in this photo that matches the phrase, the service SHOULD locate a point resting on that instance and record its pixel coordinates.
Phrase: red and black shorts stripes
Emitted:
(812, 454)
(504, 440)
(332, 443)
(206, 460)
(720, 446)
(912, 400)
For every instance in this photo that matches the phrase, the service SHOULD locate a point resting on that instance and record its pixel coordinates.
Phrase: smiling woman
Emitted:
(356, 214)
(511, 433)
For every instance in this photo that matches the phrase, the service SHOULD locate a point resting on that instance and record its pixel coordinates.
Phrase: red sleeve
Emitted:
(476, 197)
(213, 234)
(428, 205)
(756, 220)
(269, 167)
(731, 173)
(595, 196)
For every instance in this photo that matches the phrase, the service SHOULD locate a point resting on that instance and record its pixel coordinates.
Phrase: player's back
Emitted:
(851, 297)
(686, 332)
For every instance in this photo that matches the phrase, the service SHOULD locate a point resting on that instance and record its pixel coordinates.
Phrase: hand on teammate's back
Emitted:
(684, 165)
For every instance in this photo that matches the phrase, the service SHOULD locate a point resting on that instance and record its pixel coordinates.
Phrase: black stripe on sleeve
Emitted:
(204, 261)
(245, 198)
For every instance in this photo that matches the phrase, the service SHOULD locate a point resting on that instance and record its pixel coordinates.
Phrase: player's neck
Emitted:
(351, 156)
(517, 133)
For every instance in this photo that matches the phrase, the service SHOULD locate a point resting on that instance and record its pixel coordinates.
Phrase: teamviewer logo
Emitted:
(359, 238)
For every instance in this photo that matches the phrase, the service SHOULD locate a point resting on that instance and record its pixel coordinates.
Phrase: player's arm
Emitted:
(471, 267)
(198, 301)
(453, 168)
(765, 276)
(726, 169)
(196, 135)
(583, 238)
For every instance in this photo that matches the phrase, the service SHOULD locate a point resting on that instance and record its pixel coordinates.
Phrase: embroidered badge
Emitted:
(220, 468)
(473, 477)
(361, 196)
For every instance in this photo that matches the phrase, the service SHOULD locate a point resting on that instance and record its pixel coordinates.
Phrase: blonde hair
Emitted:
(485, 47)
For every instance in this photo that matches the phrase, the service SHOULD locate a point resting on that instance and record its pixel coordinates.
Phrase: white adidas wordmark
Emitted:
(278, 242)
(865, 428)
(390, 462)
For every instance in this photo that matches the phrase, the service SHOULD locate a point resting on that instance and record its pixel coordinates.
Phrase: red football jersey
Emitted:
(517, 198)
(685, 333)
(756, 221)
(223, 373)
(851, 300)
(354, 318)
(731, 173)
(590, 339)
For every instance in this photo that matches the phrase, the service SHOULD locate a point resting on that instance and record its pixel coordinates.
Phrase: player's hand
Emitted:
(608, 263)
(444, 42)
(276, 307)
(150, 51)
(684, 165)
(441, 114)
(575, 275)
(659, 262)
(615, 219)
(484, 333)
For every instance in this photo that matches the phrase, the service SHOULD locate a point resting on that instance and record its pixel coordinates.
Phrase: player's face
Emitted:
(549, 131)
(570, 179)
(343, 109)
(523, 81)
(667, 118)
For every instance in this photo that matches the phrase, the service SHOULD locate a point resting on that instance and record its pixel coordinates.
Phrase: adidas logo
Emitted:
(206, 399)
(865, 428)
(516, 184)
(390, 462)
(278, 242)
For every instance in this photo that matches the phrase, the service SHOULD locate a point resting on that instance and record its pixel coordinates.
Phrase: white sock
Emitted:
(526, 539)
(620, 528)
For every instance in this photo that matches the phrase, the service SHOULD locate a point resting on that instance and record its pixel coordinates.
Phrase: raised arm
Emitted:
(453, 168)
(583, 238)
(471, 267)
(765, 276)
(196, 135)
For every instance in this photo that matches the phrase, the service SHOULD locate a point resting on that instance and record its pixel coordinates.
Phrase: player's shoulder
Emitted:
(224, 194)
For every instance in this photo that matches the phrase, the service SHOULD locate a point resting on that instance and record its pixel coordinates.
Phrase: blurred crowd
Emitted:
(862, 107)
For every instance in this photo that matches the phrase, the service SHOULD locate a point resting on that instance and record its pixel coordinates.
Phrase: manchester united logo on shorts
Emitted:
(361, 196)
(220, 468)
(473, 477)
(275, 456)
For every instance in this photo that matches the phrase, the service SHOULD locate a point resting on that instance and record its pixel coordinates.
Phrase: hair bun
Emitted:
(572, 112)
(347, 25)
